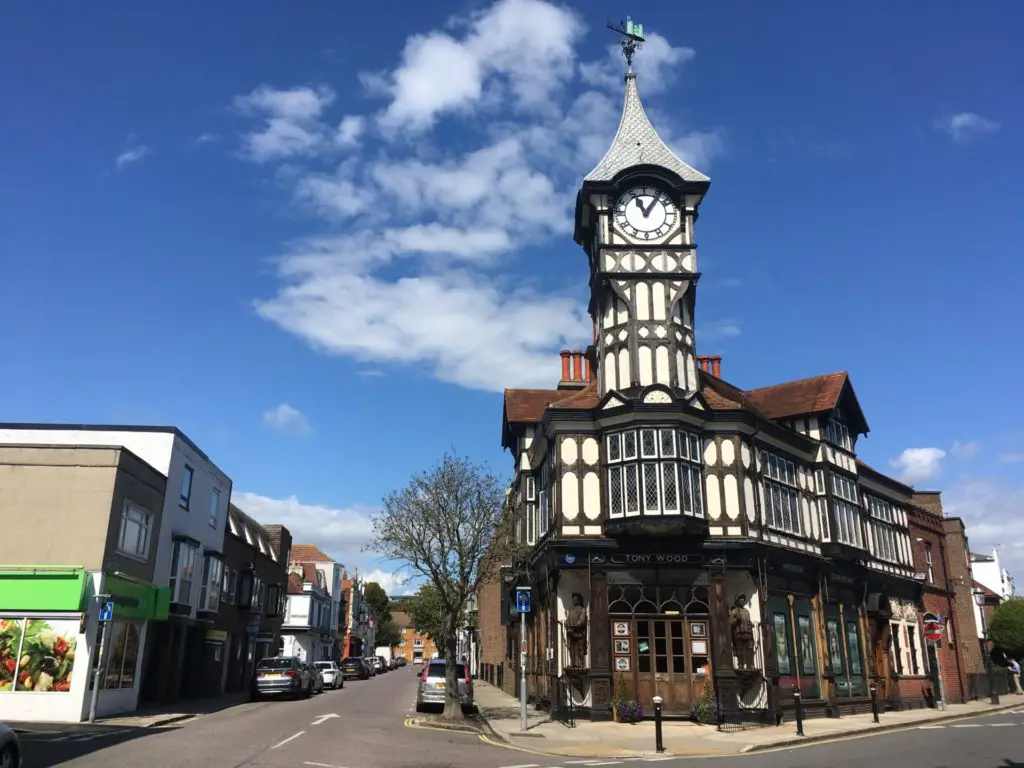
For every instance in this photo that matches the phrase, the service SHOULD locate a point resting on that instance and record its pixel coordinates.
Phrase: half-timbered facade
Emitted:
(659, 492)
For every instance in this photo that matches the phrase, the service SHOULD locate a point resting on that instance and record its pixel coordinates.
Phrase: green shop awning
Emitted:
(41, 588)
(136, 599)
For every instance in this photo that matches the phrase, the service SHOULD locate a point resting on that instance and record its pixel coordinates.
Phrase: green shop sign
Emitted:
(136, 599)
(41, 588)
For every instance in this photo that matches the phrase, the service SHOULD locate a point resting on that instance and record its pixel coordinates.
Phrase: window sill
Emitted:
(132, 556)
(183, 505)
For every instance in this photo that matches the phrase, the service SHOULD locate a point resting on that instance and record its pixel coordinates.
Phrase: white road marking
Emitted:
(970, 725)
(290, 738)
(930, 727)
(524, 765)
(323, 765)
(1002, 725)
(613, 762)
(324, 718)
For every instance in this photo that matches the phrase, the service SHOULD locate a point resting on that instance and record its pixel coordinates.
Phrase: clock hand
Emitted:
(647, 211)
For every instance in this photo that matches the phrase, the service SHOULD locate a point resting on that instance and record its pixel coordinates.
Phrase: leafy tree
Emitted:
(388, 633)
(377, 603)
(1007, 627)
(448, 525)
(426, 610)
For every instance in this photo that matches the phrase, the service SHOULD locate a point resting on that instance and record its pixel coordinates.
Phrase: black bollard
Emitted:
(659, 745)
(799, 712)
(874, 701)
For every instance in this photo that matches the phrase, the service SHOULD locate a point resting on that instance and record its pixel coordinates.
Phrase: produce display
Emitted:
(37, 656)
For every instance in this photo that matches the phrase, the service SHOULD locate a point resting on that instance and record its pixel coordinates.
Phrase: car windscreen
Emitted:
(437, 669)
(275, 664)
(324, 664)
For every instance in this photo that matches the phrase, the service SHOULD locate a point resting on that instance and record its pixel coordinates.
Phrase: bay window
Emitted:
(653, 472)
(209, 592)
(531, 510)
(837, 433)
(883, 529)
(847, 511)
(183, 563)
(781, 493)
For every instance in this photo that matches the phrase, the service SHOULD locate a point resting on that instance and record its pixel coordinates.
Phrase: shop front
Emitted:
(42, 640)
(138, 606)
(844, 661)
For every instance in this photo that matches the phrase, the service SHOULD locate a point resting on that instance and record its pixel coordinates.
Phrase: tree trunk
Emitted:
(452, 700)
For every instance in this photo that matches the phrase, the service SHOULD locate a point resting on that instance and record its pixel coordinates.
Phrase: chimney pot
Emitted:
(577, 365)
(716, 366)
(704, 363)
(586, 369)
(565, 364)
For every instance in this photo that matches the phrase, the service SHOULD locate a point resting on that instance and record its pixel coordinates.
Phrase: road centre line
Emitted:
(322, 765)
(290, 738)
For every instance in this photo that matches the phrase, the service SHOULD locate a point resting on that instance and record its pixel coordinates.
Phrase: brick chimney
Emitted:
(711, 364)
(573, 376)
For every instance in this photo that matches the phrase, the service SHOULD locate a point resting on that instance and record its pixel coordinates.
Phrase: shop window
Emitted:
(123, 656)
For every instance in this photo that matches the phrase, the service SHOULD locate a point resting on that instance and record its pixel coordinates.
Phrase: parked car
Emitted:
(331, 672)
(430, 690)
(374, 662)
(383, 664)
(354, 668)
(10, 748)
(400, 661)
(281, 676)
(317, 678)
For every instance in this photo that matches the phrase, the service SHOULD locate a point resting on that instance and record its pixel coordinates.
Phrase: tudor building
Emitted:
(660, 493)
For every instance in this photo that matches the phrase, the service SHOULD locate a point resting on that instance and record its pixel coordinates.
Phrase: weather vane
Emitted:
(632, 38)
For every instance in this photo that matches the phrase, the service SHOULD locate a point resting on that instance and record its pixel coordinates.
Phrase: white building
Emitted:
(988, 575)
(169, 655)
(306, 631)
(332, 570)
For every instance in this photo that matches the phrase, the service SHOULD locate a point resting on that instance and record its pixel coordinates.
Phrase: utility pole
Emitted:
(106, 615)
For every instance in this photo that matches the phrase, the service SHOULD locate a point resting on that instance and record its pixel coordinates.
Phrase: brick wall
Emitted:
(958, 569)
(493, 634)
(926, 528)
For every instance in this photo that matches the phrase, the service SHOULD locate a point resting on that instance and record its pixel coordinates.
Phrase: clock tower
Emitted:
(635, 214)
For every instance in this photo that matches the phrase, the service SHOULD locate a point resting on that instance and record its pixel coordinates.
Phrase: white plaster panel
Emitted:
(661, 371)
(710, 453)
(570, 530)
(569, 450)
(570, 496)
(808, 523)
(657, 396)
(609, 372)
(728, 452)
(714, 498)
(592, 530)
(748, 498)
(689, 262)
(716, 530)
(591, 496)
(734, 530)
(745, 455)
(645, 362)
(643, 310)
(691, 372)
(660, 300)
(681, 368)
(590, 451)
(732, 495)
(624, 374)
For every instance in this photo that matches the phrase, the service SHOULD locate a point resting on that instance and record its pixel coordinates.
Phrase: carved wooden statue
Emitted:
(742, 633)
(576, 632)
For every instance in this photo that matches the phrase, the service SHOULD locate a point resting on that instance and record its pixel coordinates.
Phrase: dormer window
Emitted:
(837, 433)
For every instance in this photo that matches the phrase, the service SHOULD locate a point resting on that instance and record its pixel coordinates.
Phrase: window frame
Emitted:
(779, 478)
(845, 500)
(178, 568)
(838, 433)
(144, 525)
(185, 491)
(214, 513)
(664, 466)
(213, 574)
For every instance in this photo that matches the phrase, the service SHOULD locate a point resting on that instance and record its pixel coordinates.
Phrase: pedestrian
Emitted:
(1015, 674)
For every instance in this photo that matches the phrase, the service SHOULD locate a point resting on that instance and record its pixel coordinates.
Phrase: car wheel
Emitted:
(419, 706)
(9, 757)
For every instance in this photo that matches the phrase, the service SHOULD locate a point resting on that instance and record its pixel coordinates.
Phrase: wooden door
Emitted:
(671, 660)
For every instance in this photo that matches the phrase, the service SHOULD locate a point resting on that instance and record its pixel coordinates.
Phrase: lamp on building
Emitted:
(979, 598)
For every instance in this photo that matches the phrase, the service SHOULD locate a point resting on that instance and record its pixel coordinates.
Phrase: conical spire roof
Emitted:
(637, 143)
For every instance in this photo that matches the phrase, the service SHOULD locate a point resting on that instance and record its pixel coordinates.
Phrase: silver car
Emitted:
(430, 690)
(10, 748)
(333, 678)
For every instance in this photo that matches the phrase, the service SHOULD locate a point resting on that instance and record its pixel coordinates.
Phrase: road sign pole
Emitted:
(522, 671)
(105, 614)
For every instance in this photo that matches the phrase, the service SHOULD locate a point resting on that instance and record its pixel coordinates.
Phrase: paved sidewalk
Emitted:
(152, 717)
(610, 739)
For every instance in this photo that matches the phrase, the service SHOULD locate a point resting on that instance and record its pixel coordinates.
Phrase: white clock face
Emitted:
(645, 213)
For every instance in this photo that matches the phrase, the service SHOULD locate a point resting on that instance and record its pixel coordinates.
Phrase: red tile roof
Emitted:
(309, 553)
(796, 398)
(294, 584)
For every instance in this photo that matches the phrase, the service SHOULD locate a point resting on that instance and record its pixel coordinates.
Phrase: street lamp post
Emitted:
(993, 695)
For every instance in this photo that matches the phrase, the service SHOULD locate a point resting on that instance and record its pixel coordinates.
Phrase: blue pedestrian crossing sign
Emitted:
(107, 611)
(522, 599)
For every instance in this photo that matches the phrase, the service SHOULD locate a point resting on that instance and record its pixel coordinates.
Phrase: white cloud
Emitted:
(655, 65)
(918, 465)
(1011, 458)
(423, 269)
(287, 419)
(992, 513)
(292, 124)
(964, 125)
(131, 155)
(207, 138)
(715, 330)
(965, 451)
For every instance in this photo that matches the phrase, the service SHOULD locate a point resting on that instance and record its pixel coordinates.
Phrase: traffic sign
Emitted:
(107, 611)
(933, 631)
(522, 599)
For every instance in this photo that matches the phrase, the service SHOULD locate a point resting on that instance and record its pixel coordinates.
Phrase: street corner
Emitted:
(471, 725)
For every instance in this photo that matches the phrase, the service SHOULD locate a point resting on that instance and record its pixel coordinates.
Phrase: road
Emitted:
(363, 726)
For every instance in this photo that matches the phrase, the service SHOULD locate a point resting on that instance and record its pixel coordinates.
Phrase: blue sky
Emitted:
(322, 243)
